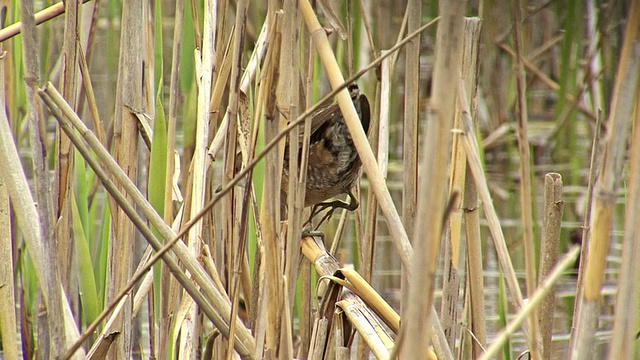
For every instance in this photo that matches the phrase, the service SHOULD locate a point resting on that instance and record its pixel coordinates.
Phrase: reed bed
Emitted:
(141, 207)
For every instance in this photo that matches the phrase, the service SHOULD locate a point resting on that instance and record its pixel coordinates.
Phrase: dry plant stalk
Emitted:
(69, 85)
(410, 130)
(552, 220)
(474, 268)
(327, 266)
(623, 102)
(625, 325)
(475, 167)
(8, 323)
(128, 97)
(269, 321)
(288, 98)
(432, 190)
(204, 63)
(526, 203)
(40, 17)
(234, 238)
(54, 331)
(367, 326)
(457, 182)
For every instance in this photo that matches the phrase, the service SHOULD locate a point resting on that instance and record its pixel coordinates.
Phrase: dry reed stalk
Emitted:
(223, 40)
(541, 292)
(242, 272)
(367, 326)
(475, 167)
(289, 99)
(378, 135)
(188, 323)
(27, 218)
(244, 342)
(378, 131)
(623, 102)
(327, 266)
(69, 85)
(457, 182)
(8, 323)
(625, 325)
(250, 71)
(368, 294)
(595, 154)
(128, 97)
(355, 128)
(436, 145)
(234, 238)
(552, 220)
(40, 17)
(52, 332)
(118, 303)
(221, 77)
(595, 63)
(306, 321)
(469, 204)
(474, 269)
(379, 140)
(410, 130)
(271, 302)
(526, 202)
(307, 300)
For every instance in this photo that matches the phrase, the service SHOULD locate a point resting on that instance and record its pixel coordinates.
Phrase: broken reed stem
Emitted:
(552, 220)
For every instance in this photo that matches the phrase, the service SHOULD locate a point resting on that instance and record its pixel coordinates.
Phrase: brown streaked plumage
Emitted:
(334, 165)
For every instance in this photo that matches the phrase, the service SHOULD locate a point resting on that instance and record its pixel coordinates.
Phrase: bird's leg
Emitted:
(332, 206)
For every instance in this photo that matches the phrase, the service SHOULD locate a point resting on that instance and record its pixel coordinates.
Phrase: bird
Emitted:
(333, 166)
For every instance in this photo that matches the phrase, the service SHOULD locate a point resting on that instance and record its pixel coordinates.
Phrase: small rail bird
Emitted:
(334, 165)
